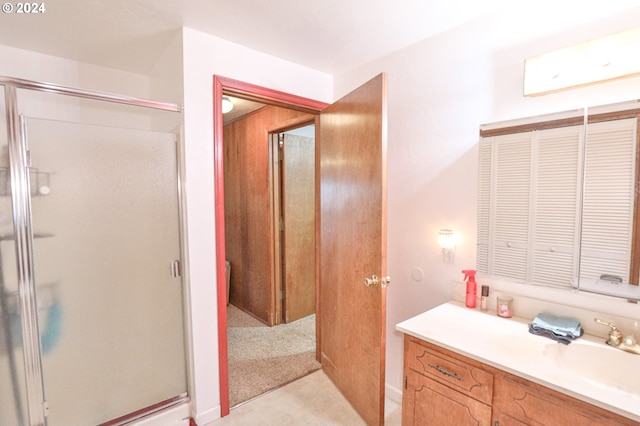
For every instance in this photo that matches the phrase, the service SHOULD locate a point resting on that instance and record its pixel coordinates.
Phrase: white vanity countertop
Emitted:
(506, 344)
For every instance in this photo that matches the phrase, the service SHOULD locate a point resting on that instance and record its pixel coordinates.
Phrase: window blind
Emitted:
(607, 213)
(541, 192)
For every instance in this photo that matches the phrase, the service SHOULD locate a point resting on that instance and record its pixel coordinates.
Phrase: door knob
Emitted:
(371, 282)
(374, 281)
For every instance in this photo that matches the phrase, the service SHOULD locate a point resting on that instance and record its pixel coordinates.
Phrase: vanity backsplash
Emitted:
(529, 301)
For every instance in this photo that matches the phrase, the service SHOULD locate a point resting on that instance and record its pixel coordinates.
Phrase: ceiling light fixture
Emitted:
(227, 105)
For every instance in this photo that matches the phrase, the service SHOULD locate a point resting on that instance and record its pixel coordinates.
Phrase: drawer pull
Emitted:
(446, 372)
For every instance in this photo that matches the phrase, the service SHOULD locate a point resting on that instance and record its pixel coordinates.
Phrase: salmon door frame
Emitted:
(231, 87)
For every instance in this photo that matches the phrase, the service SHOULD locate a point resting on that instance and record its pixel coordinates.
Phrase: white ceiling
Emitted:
(241, 107)
(326, 35)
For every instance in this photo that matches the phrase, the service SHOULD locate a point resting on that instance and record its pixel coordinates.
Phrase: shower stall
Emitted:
(91, 295)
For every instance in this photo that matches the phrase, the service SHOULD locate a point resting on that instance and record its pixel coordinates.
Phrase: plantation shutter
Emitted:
(556, 187)
(607, 214)
(484, 203)
(510, 205)
(554, 203)
(529, 206)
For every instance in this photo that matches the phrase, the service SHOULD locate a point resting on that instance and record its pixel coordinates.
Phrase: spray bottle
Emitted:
(470, 278)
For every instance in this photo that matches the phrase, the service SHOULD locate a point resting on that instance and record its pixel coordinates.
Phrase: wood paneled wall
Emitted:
(246, 187)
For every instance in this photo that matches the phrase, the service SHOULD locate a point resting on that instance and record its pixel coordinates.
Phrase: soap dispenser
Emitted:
(470, 278)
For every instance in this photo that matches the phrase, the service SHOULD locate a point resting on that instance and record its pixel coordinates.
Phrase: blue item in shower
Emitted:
(49, 336)
(53, 328)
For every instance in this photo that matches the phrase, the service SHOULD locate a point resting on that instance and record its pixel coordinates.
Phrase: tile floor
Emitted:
(311, 400)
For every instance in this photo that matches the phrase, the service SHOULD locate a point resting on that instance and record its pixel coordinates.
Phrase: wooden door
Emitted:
(299, 218)
(352, 156)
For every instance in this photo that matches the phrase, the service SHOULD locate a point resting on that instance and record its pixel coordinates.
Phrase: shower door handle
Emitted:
(175, 269)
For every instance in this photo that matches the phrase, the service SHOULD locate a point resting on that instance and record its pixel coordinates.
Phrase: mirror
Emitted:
(557, 200)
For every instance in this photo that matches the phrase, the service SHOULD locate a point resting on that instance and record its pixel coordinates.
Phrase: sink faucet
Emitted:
(628, 344)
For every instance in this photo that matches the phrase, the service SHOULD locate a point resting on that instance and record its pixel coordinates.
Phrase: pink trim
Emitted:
(220, 84)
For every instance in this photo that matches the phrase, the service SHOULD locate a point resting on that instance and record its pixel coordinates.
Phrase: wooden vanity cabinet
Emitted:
(444, 388)
(517, 401)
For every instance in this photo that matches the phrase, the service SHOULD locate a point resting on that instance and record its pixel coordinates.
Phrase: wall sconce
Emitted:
(227, 105)
(446, 241)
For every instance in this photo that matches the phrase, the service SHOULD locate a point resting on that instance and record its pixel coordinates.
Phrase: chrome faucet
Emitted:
(616, 339)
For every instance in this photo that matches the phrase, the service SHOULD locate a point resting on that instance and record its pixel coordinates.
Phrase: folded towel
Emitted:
(564, 339)
(558, 325)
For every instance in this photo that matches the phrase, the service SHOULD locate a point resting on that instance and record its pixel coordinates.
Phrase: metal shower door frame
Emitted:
(21, 209)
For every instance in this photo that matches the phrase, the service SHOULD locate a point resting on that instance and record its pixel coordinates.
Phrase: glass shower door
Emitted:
(13, 397)
(105, 219)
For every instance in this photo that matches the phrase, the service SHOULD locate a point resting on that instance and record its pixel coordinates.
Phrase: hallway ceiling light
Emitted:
(227, 105)
(603, 59)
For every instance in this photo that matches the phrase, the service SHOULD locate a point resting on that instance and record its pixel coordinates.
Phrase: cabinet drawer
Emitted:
(452, 372)
(533, 405)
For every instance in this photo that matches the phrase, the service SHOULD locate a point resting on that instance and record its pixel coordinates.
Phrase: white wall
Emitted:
(29, 65)
(24, 64)
(165, 82)
(204, 56)
(440, 91)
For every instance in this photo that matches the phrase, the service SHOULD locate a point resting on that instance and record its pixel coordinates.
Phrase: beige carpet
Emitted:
(262, 358)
